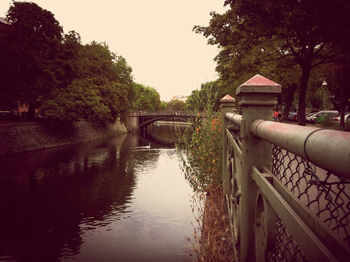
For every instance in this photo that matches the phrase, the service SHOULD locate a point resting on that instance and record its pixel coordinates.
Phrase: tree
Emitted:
(101, 85)
(209, 94)
(235, 67)
(110, 73)
(163, 105)
(67, 61)
(33, 43)
(336, 76)
(80, 100)
(95, 61)
(301, 32)
(124, 72)
(43, 68)
(145, 98)
(176, 105)
(114, 95)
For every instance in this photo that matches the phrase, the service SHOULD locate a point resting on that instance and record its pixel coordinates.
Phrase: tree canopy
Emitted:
(80, 100)
(262, 35)
(209, 94)
(145, 98)
(101, 87)
(55, 73)
(176, 105)
(29, 52)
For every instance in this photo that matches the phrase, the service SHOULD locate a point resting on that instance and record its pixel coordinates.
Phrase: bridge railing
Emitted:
(287, 187)
(161, 112)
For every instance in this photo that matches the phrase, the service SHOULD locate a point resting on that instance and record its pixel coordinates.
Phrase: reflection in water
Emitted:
(165, 132)
(117, 201)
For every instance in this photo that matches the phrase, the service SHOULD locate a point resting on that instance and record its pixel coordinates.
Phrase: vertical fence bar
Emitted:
(227, 103)
(258, 98)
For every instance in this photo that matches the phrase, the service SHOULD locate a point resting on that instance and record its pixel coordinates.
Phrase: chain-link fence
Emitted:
(325, 194)
(285, 248)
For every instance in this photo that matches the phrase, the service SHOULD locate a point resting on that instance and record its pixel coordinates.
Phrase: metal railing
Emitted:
(161, 113)
(287, 187)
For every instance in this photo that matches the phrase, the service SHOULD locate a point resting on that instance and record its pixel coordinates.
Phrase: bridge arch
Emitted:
(138, 122)
(147, 122)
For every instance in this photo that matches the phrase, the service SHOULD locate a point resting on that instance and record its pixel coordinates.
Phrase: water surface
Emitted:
(120, 200)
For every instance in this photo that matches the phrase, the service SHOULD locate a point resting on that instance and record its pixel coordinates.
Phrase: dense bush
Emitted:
(200, 148)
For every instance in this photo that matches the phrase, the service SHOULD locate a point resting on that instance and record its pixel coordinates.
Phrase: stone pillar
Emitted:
(258, 98)
(133, 122)
(227, 103)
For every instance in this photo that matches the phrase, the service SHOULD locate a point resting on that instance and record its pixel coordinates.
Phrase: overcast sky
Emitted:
(154, 36)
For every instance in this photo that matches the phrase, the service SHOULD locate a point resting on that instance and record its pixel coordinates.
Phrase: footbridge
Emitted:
(138, 121)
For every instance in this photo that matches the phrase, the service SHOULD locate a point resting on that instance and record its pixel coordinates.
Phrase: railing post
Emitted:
(227, 103)
(258, 98)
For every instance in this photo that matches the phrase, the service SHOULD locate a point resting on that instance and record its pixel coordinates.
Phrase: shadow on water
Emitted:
(46, 196)
(164, 133)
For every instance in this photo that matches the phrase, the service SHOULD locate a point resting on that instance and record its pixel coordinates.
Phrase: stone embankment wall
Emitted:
(30, 136)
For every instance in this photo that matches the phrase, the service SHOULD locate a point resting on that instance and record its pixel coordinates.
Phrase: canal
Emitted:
(124, 199)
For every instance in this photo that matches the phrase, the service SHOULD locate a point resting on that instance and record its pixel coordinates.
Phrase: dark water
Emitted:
(120, 200)
(165, 132)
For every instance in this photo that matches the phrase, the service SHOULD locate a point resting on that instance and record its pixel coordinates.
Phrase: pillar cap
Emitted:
(227, 99)
(259, 85)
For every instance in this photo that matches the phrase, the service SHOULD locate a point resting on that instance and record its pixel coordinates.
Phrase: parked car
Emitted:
(309, 118)
(293, 116)
(346, 118)
(311, 113)
(5, 115)
(320, 116)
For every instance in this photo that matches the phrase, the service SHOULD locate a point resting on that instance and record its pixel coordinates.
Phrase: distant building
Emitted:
(181, 98)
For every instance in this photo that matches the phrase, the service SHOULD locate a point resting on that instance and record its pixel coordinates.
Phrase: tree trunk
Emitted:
(305, 74)
(289, 100)
(31, 112)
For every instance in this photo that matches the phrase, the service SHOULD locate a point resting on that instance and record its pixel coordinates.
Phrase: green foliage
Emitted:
(208, 96)
(72, 81)
(200, 145)
(145, 98)
(34, 22)
(95, 61)
(163, 105)
(103, 79)
(326, 121)
(317, 94)
(115, 96)
(67, 60)
(200, 148)
(80, 100)
(30, 52)
(176, 105)
(257, 36)
(337, 84)
(123, 71)
(83, 99)
(316, 99)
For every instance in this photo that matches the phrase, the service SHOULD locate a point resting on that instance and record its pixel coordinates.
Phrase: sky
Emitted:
(154, 36)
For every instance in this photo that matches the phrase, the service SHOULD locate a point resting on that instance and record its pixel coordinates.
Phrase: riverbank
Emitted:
(17, 137)
(212, 240)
